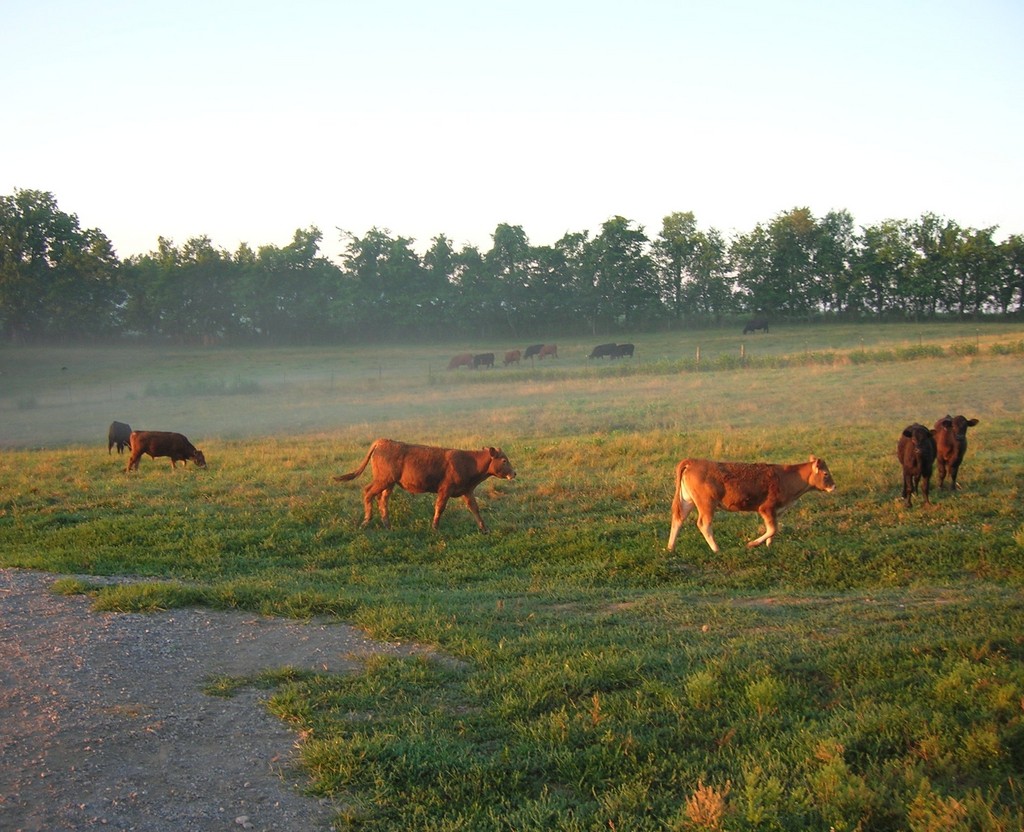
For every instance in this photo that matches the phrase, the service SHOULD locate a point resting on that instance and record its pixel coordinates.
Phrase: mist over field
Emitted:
(58, 396)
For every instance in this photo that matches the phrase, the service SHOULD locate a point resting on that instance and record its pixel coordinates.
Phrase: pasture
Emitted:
(863, 672)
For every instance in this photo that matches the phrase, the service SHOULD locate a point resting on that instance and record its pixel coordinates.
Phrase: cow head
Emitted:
(960, 425)
(500, 466)
(821, 477)
(955, 425)
(921, 439)
(199, 459)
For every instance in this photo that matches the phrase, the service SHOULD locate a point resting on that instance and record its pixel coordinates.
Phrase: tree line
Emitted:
(60, 281)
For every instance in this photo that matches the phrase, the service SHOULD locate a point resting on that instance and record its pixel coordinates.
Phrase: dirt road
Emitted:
(103, 722)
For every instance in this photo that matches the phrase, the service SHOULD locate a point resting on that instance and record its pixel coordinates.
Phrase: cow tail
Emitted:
(351, 475)
(677, 498)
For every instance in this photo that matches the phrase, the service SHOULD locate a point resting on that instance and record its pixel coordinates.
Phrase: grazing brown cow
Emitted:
(548, 349)
(951, 445)
(512, 357)
(423, 468)
(119, 433)
(916, 453)
(464, 359)
(742, 486)
(484, 359)
(163, 443)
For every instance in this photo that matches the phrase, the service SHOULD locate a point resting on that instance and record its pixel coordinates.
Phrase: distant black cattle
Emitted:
(532, 350)
(755, 324)
(119, 433)
(604, 351)
(484, 359)
(622, 350)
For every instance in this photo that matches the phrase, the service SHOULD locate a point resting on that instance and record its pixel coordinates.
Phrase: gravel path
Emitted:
(103, 722)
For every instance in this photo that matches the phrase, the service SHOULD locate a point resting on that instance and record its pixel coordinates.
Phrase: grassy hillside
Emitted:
(863, 672)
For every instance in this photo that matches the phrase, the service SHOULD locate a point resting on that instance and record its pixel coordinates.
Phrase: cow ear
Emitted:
(972, 422)
(494, 452)
(907, 432)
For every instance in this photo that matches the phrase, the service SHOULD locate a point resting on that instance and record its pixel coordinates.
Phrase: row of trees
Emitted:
(58, 280)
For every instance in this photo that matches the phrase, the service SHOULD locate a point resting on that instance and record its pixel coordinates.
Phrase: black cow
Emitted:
(604, 350)
(119, 433)
(916, 453)
(951, 445)
(532, 350)
(622, 350)
(756, 323)
(484, 359)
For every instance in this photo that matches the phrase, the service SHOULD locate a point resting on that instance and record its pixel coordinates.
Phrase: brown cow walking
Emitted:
(742, 486)
(163, 443)
(419, 469)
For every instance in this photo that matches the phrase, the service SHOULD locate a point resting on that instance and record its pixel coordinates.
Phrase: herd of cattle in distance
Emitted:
(475, 361)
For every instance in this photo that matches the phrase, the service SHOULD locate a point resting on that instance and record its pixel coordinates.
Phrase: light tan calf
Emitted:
(742, 486)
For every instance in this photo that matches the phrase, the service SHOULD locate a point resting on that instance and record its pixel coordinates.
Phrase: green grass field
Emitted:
(864, 672)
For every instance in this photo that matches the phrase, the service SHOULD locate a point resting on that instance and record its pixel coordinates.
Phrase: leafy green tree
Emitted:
(57, 280)
(624, 276)
(931, 285)
(510, 266)
(1010, 294)
(834, 253)
(976, 280)
(675, 251)
(886, 258)
(477, 296)
(751, 257)
(709, 293)
(574, 251)
(396, 291)
(693, 268)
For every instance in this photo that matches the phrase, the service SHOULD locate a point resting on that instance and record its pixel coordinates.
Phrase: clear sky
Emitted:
(244, 121)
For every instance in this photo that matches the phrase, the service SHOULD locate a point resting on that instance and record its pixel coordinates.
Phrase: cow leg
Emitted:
(680, 511)
(770, 527)
(474, 509)
(704, 520)
(942, 473)
(954, 469)
(927, 484)
(382, 507)
(439, 504)
(133, 461)
(908, 488)
(369, 493)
